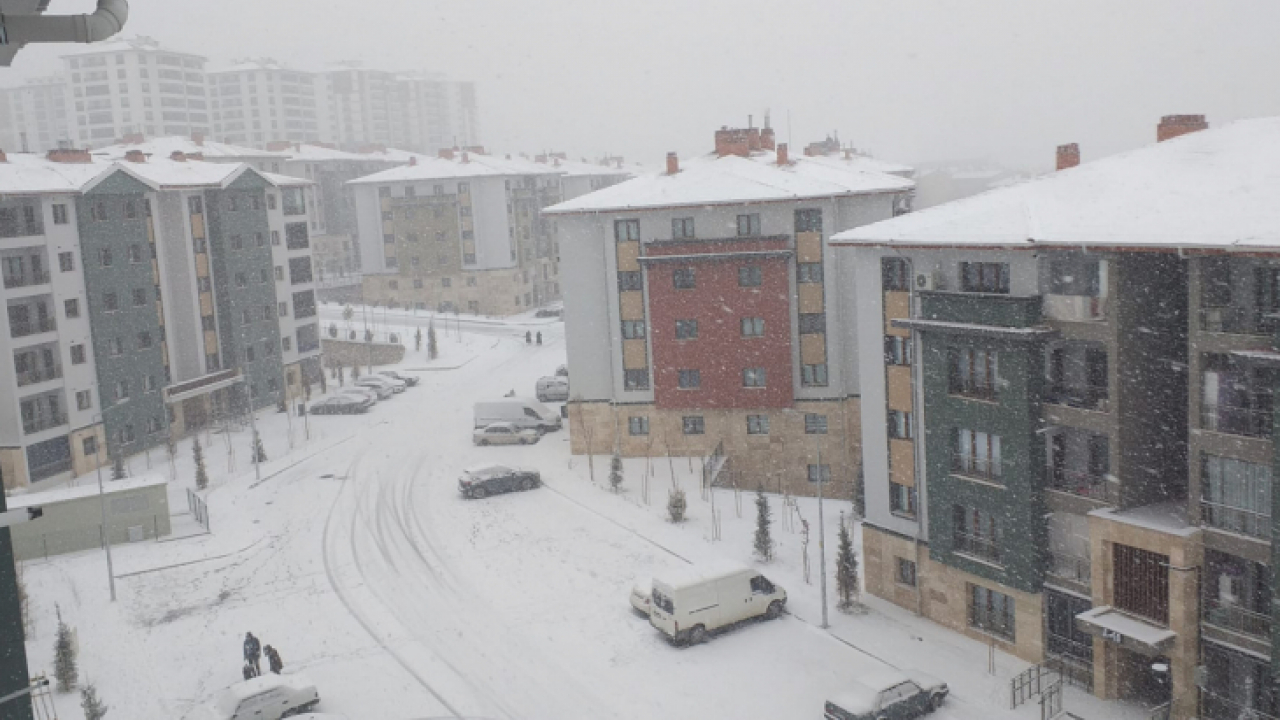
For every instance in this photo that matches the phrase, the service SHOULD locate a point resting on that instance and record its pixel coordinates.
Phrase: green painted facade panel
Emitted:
(981, 309)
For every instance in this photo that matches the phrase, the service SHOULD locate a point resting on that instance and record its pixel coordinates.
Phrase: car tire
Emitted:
(528, 484)
(524, 441)
(935, 702)
(774, 611)
(478, 493)
(483, 441)
(697, 635)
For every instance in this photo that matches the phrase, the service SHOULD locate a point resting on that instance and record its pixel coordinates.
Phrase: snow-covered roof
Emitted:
(863, 162)
(139, 43)
(210, 150)
(732, 180)
(284, 180)
(1169, 517)
(463, 165)
(1209, 189)
(577, 168)
(165, 173)
(29, 174)
(306, 152)
(86, 489)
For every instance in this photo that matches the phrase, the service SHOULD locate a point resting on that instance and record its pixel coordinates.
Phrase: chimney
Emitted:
(767, 138)
(69, 155)
(413, 160)
(540, 159)
(3, 158)
(673, 164)
(732, 142)
(619, 163)
(1068, 156)
(198, 138)
(477, 149)
(466, 157)
(783, 159)
(278, 145)
(445, 153)
(177, 156)
(133, 139)
(135, 156)
(1171, 126)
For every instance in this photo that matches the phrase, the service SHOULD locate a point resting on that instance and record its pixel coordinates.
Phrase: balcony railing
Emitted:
(39, 375)
(31, 328)
(1215, 705)
(42, 422)
(1254, 421)
(1088, 397)
(26, 279)
(1082, 483)
(972, 466)
(1075, 308)
(1230, 616)
(1234, 320)
(1245, 522)
(975, 390)
(1070, 567)
(977, 545)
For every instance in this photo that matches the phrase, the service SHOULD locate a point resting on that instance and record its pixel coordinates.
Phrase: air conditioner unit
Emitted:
(925, 281)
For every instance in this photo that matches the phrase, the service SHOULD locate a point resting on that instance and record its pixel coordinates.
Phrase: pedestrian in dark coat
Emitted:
(273, 659)
(539, 337)
(253, 652)
(528, 337)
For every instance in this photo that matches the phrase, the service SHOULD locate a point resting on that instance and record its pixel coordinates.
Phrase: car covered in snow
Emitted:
(381, 386)
(554, 388)
(492, 479)
(267, 697)
(340, 405)
(641, 594)
(888, 695)
(363, 393)
(562, 371)
(406, 379)
(504, 433)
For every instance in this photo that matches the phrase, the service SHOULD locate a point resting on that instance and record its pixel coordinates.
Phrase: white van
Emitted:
(267, 697)
(690, 605)
(553, 389)
(521, 412)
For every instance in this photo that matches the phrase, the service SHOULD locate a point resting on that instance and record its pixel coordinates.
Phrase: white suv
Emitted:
(268, 697)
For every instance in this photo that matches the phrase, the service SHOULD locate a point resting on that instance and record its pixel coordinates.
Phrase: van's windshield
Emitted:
(662, 602)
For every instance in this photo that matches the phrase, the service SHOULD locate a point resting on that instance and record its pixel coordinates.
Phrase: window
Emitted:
(902, 499)
(59, 214)
(973, 372)
(624, 230)
(1236, 495)
(139, 297)
(122, 389)
(271, 201)
(757, 424)
(683, 278)
(976, 532)
(629, 280)
(638, 425)
(89, 446)
(752, 327)
(813, 323)
(813, 375)
(295, 236)
(104, 257)
(233, 204)
(258, 238)
(286, 343)
(98, 211)
(126, 434)
(809, 272)
(815, 424)
(153, 425)
(693, 425)
(991, 612)
(900, 425)
(635, 379)
(819, 473)
(749, 276)
(976, 454)
(689, 379)
(264, 276)
(246, 316)
(682, 228)
(283, 309)
(988, 277)
(84, 400)
(300, 270)
(753, 377)
(895, 274)
(384, 192)
(446, 282)
(204, 284)
(686, 329)
(71, 308)
(809, 220)
(195, 205)
(275, 238)
(250, 353)
(66, 261)
(905, 572)
(130, 210)
(237, 242)
(279, 272)
(749, 225)
(135, 253)
(633, 329)
(144, 340)
(110, 302)
(77, 355)
(241, 280)
(149, 383)
(417, 283)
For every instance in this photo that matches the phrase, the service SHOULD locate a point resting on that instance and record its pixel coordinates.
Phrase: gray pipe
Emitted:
(104, 22)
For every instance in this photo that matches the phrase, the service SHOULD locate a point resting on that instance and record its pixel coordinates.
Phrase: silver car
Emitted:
(381, 389)
(504, 433)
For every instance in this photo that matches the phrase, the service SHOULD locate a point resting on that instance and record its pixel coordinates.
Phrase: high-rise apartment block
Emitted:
(259, 101)
(34, 115)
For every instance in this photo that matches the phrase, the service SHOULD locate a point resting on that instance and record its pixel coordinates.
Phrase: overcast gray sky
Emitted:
(909, 80)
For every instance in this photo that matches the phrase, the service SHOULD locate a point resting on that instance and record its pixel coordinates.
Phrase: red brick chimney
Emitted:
(3, 158)
(1068, 156)
(413, 160)
(475, 149)
(445, 153)
(178, 156)
(673, 164)
(135, 156)
(783, 158)
(466, 157)
(732, 142)
(68, 155)
(753, 139)
(278, 145)
(1171, 126)
(766, 138)
(198, 138)
(132, 139)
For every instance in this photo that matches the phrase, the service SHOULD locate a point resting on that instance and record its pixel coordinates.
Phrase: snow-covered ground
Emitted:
(355, 556)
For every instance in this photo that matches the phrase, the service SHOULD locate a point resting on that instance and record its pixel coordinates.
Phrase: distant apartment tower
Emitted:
(34, 116)
(412, 111)
(258, 101)
(706, 312)
(125, 87)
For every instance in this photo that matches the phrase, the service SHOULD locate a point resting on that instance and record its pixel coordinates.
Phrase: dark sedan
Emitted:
(493, 479)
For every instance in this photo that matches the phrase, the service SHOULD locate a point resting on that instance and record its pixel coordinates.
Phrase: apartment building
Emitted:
(460, 232)
(145, 300)
(703, 312)
(33, 116)
(256, 101)
(1067, 417)
(128, 86)
(417, 111)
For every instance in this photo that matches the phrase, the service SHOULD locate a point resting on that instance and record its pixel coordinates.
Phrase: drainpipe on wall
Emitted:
(101, 24)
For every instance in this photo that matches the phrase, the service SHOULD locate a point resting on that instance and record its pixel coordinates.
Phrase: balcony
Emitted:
(1079, 483)
(39, 375)
(966, 387)
(1253, 421)
(1236, 520)
(976, 467)
(23, 329)
(26, 280)
(1085, 397)
(1070, 567)
(981, 309)
(978, 546)
(38, 423)
(1232, 617)
(1234, 320)
(1075, 308)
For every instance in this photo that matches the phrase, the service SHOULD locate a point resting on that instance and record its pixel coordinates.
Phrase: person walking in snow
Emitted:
(253, 652)
(528, 338)
(273, 659)
(539, 337)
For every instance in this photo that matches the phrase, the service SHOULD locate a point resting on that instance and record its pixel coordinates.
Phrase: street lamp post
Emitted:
(102, 502)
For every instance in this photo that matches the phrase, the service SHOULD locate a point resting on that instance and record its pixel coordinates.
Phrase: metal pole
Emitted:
(102, 502)
(822, 539)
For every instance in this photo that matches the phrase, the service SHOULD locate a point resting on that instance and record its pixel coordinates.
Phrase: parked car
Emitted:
(521, 412)
(391, 384)
(267, 697)
(563, 371)
(381, 389)
(408, 380)
(340, 405)
(687, 606)
(505, 433)
(641, 593)
(552, 389)
(361, 392)
(888, 695)
(492, 479)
